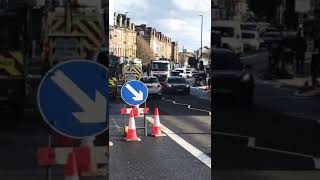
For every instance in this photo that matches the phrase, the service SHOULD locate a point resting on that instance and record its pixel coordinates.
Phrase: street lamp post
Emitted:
(201, 35)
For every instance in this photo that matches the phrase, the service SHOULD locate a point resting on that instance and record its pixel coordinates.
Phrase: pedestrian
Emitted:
(300, 48)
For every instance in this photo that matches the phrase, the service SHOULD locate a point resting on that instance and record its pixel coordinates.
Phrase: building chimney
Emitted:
(128, 23)
(124, 20)
(119, 20)
(133, 27)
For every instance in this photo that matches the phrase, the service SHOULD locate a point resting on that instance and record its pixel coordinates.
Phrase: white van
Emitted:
(188, 72)
(182, 72)
(251, 40)
(230, 35)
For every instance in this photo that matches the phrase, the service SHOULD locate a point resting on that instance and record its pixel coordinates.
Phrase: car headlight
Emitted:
(187, 85)
(169, 85)
(245, 77)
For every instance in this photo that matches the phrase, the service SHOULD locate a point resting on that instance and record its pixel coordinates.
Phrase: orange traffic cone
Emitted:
(156, 131)
(132, 133)
(71, 170)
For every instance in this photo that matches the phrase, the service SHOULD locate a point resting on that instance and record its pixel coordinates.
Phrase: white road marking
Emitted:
(252, 144)
(205, 98)
(316, 162)
(230, 134)
(187, 146)
(302, 115)
(209, 112)
(188, 106)
(110, 143)
(116, 125)
(282, 151)
(249, 56)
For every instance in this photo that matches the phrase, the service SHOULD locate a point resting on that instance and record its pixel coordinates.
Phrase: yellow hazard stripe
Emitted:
(137, 71)
(18, 56)
(126, 69)
(55, 27)
(10, 68)
(95, 27)
(112, 81)
(88, 33)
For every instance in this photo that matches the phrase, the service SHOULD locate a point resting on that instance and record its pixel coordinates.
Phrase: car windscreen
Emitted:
(248, 27)
(272, 35)
(149, 80)
(226, 61)
(160, 66)
(176, 80)
(175, 73)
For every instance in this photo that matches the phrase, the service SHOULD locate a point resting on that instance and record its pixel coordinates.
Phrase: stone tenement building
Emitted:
(158, 42)
(175, 52)
(123, 37)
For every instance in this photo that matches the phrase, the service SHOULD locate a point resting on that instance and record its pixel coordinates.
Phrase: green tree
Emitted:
(144, 51)
(265, 9)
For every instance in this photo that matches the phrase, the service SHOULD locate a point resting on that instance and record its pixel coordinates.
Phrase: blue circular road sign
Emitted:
(72, 98)
(134, 92)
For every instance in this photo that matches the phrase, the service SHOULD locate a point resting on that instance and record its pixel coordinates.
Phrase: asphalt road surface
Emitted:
(169, 157)
(270, 139)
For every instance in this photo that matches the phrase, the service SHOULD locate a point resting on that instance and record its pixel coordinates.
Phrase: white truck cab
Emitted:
(160, 69)
(230, 35)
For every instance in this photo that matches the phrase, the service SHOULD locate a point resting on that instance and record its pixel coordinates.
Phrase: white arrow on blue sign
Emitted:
(72, 98)
(134, 92)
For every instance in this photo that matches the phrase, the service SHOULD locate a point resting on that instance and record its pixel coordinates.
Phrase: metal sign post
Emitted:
(135, 93)
(145, 121)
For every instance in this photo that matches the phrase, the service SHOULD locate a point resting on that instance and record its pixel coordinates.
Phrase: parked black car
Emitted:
(176, 84)
(230, 76)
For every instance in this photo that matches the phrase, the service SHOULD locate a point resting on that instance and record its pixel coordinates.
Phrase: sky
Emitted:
(177, 19)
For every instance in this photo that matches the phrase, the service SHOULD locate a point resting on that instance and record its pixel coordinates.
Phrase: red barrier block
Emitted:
(46, 156)
(70, 169)
(83, 158)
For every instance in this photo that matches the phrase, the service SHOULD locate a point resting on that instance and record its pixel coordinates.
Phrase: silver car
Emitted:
(153, 85)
